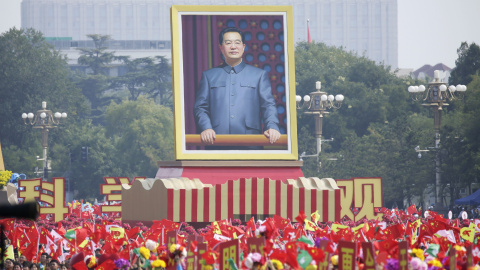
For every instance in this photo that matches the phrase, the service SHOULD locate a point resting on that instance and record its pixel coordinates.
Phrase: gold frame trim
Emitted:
(180, 153)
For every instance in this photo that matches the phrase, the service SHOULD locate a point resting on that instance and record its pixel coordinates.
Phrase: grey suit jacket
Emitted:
(235, 101)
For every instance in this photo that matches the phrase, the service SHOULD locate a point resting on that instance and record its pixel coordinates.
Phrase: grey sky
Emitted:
(429, 31)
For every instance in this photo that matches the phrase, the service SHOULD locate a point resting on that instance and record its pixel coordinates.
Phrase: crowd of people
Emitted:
(46, 262)
(106, 243)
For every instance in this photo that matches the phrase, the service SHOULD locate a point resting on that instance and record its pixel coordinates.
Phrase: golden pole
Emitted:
(2, 166)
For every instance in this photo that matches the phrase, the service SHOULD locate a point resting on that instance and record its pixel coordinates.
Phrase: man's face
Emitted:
(8, 264)
(54, 265)
(232, 47)
(22, 258)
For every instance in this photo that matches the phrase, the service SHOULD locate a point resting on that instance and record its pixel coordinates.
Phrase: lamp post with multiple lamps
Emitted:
(317, 103)
(45, 120)
(435, 95)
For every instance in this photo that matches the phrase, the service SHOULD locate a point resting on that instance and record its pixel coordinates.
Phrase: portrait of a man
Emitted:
(233, 82)
(235, 98)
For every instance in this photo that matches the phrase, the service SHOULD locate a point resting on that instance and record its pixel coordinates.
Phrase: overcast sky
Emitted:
(429, 31)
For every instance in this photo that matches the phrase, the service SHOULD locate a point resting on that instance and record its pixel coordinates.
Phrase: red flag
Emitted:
(22, 236)
(132, 233)
(43, 236)
(280, 222)
(301, 217)
(61, 230)
(100, 233)
(80, 266)
(392, 232)
(390, 246)
(251, 224)
(82, 233)
(86, 215)
(59, 252)
(124, 254)
(88, 226)
(291, 255)
(412, 209)
(278, 254)
(316, 253)
(9, 228)
(31, 251)
(97, 210)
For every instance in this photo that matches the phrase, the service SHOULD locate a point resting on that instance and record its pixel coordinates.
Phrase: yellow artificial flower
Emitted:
(277, 264)
(173, 247)
(92, 262)
(5, 177)
(435, 262)
(334, 259)
(208, 267)
(145, 252)
(159, 264)
(311, 267)
(418, 253)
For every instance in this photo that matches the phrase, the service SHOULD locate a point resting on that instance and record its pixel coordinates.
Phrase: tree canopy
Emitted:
(466, 65)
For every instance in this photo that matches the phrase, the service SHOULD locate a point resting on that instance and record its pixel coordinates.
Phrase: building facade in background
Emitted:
(368, 27)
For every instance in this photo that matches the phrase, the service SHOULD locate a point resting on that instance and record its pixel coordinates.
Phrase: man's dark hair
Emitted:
(227, 30)
(54, 261)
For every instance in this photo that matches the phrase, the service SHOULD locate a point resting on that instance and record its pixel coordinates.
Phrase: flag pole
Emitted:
(309, 38)
(2, 165)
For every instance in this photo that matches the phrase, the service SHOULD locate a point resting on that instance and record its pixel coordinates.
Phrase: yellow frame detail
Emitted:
(181, 154)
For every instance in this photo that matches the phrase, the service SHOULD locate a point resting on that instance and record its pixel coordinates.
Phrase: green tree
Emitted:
(161, 89)
(466, 65)
(147, 76)
(31, 71)
(143, 134)
(97, 59)
(85, 176)
(95, 81)
(469, 120)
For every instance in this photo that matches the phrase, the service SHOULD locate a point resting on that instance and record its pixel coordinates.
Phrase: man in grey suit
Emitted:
(234, 97)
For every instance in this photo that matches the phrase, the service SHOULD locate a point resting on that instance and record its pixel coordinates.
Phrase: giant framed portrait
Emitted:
(268, 50)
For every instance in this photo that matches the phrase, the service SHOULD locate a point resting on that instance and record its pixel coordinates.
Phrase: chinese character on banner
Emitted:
(201, 248)
(452, 254)
(192, 243)
(368, 256)
(255, 245)
(364, 195)
(56, 201)
(469, 256)
(29, 189)
(325, 245)
(229, 250)
(368, 196)
(171, 240)
(347, 255)
(346, 198)
(113, 190)
(403, 255)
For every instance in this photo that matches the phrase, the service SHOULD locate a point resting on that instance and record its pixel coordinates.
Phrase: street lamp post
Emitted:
(317, 103)
(435, 96)
(45, 120)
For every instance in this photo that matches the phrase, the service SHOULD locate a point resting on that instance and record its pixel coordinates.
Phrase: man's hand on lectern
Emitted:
(208, 136)
(272, 134)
